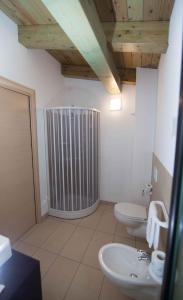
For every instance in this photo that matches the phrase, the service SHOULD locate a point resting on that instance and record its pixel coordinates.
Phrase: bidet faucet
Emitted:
(143, 255)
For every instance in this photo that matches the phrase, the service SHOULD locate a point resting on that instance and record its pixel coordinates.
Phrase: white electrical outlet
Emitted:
(155, 174)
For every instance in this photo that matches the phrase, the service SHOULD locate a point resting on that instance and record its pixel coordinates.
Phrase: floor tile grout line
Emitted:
(60, 254)
(50, 236)
(88, 266)
(84, 250)
(91, 266)
(57, 219)
(73, 260)
(30, 230)
(96, 230)
(76, 226)
(71, 237)
(101, 287)
(41, 246)
(46, 238)
(38, 248)
(69, 258)
(65, 295)
(33, 256)
(79, 264)
(33, 228)
(49, 267)
(60, 222)
(25, 242)
(68, 239)
(87, 247)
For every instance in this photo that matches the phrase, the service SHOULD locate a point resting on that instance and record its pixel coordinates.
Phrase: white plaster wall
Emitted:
(145, 119)
(33, 68)
(117, 134)
(127, 136)
(168, 91)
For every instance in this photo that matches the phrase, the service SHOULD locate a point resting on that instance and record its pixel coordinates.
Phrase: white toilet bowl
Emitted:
(133, 216)
(120, 264)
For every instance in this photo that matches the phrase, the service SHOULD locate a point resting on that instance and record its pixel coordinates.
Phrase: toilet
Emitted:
(133, 216)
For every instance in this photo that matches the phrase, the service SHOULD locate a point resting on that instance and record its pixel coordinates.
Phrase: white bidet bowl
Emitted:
(120, 264)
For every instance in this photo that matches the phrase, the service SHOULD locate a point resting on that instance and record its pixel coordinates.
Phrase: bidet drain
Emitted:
(133, 275)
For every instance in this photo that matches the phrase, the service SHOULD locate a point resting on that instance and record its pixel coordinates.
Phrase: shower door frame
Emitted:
(77, 213)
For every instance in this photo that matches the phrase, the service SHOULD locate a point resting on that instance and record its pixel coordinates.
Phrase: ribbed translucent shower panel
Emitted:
(73, 159)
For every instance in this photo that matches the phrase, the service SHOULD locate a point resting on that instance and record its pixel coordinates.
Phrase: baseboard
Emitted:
(106, 202)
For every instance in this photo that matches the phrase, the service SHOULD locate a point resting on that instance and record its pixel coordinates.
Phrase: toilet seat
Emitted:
(131, 211)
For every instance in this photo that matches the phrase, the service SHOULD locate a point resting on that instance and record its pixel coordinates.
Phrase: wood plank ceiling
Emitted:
(135, 10)
(33, 12)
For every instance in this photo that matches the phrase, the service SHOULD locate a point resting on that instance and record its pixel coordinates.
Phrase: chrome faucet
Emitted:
(143, 255)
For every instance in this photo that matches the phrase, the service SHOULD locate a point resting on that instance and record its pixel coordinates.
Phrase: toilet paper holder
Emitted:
(156, 266)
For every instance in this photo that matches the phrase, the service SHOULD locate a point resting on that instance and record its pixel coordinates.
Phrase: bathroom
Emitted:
(132, 135)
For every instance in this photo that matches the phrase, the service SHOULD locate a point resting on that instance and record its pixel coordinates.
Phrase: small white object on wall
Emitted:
(156, 267)
(155, 174)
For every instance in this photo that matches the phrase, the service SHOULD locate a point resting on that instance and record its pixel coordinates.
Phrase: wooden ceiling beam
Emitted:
(50, 37)
(141, 37)
(85, 72)
(138, 36)
(80, 22)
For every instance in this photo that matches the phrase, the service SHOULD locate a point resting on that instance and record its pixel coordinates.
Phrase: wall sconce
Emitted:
(115, 103)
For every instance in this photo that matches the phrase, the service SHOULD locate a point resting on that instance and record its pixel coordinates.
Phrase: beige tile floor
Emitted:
(68, 254)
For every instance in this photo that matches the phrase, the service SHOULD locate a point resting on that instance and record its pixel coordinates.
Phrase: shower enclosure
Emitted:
(73, 159)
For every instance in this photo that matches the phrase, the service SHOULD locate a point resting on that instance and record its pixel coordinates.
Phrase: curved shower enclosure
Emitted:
(73, 159)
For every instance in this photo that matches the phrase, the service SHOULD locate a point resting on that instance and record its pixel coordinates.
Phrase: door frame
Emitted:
(175, 230)
(19, 88)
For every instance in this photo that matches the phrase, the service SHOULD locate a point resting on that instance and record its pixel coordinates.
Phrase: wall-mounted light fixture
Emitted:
(115, 102)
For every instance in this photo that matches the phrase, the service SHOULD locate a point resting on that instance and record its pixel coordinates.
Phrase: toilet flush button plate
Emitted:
(155, 174)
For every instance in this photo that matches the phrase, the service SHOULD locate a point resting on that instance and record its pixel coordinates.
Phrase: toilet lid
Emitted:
(132, 210)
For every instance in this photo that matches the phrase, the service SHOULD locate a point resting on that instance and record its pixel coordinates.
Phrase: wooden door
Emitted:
(17, 203)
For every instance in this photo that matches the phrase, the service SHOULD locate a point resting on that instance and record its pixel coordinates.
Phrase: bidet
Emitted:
(121, 265)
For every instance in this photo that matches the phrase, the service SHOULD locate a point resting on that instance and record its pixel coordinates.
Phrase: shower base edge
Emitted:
(77, 214)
